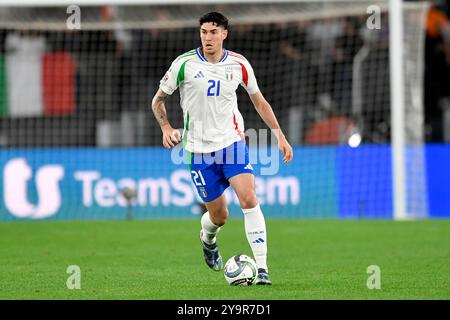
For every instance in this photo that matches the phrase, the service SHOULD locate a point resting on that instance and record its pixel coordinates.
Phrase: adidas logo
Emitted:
(199, 75)
(249, 167)
(259, 240)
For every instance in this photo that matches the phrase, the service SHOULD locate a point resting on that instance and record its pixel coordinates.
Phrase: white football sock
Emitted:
(209, 229)
(255, 228)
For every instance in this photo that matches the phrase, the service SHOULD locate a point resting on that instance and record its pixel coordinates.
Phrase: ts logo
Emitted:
(16, 175)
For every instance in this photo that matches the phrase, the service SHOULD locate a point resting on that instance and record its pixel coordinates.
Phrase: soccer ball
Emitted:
(240, 270)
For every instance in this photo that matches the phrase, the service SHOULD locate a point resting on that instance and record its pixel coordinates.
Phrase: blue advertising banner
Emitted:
(87, 184)
(438, 172)
(321, 182)
(365, 182)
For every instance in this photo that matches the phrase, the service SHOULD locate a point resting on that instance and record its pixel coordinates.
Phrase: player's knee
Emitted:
(220, 217)
(248, 201)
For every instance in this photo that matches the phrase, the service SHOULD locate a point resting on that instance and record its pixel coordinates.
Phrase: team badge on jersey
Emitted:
(166, 77)
(203, 191)
(229, 74)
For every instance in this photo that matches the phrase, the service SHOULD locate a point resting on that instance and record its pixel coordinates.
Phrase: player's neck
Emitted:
(213, 58)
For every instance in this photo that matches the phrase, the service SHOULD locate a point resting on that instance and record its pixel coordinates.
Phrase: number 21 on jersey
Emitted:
(214, 88)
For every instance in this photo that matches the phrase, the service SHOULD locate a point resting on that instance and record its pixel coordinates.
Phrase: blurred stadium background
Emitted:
(76, 126)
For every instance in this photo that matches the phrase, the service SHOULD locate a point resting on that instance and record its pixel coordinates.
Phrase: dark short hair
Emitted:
(215, 17)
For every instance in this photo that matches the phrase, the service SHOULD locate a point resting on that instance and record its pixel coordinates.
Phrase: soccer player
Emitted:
(207, 78)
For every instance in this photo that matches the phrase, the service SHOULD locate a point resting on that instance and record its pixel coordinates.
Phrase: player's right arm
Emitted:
(171, 136)
(168, 84)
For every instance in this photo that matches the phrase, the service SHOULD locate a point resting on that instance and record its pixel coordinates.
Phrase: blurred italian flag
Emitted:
(33, 81)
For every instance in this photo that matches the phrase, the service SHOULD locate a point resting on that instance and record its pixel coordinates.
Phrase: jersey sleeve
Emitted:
(168, 83)
(248, 78)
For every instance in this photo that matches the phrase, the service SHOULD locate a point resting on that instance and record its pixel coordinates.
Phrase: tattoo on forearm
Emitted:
(161, 98)
(159, 110)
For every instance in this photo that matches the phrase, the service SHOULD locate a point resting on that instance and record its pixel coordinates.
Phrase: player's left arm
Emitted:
(266, 113)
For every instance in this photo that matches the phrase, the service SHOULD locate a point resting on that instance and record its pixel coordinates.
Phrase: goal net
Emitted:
(79, 140)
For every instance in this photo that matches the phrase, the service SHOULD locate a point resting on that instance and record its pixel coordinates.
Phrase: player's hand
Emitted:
(285, 149)
(171, 137)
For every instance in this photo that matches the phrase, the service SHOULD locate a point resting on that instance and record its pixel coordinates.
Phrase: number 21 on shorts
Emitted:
(198, 175)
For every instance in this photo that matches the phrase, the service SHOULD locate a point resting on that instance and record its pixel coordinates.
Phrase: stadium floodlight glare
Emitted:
(355, 140)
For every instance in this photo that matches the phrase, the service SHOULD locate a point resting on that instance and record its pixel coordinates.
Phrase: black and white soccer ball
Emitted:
(240, 270)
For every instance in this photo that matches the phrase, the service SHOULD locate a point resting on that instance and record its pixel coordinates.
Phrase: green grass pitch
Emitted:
(154, 259)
